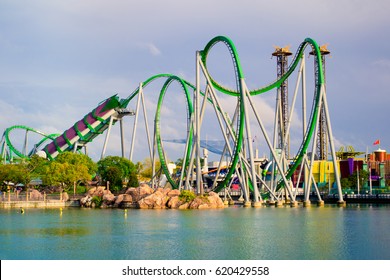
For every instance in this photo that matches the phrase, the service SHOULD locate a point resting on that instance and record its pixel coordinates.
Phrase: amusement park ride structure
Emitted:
(236, 128)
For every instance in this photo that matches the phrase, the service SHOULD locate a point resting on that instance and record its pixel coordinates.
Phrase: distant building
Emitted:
(378, 164)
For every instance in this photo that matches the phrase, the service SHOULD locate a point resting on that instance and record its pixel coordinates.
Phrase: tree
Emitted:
(15, 173)
(114, 176)
(363, 177)
(179, 162)
(67, 169)
(346, 184)
(78, 160)
(351, 181)
(117, 170)
(37, 166)
(138, 166)
(146, 171)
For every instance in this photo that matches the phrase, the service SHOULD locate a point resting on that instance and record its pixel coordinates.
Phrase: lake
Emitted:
(235, 233)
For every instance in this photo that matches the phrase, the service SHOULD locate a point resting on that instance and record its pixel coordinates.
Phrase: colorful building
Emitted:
(376, 164)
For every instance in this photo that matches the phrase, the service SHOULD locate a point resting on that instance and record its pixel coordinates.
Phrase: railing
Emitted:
(361, 198)
(11, 196)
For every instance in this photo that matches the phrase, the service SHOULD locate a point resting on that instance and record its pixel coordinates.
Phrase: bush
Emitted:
(117, 170)
(187, 196)
(81, 189)
(346, 183)
(97, 200)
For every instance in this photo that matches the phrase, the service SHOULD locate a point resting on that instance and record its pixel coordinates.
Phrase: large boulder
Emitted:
(167, 190)
(173, 193)
(199, 203)
(174, 202)
(184, 206)
(65, 196)
(118, 200)
(86, 201)
(215, 201)
(96, 191)
(126, 201)
(108, 198)
(211, 200)
(35, 195)
(156, 200)
(140, 192)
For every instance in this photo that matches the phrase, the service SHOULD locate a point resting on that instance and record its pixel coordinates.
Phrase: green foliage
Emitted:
(78, 160)
(363, 177)
(17, 173)
(187, 196)
(138, 166)
(57, 173)
(146, 171)
(117, 170)
(81, 189)
(352, 181)
(37, 166)
(179, 162)
(97, 200)
(66, 169)
(114, 176)
(133, 180)
(345, 183)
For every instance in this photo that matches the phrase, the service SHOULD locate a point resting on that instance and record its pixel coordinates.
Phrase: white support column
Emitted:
(107, 137)
(146, 124)
(313, 151)
(199, 182)
(122, 137)
(135, 122)
(332, 149)
(185, 156)
(25, 143)
(256, 195)
(75, 147)
(304, 121)
(153, 158)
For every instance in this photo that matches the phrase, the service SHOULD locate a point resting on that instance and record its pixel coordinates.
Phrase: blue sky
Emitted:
(59, 59)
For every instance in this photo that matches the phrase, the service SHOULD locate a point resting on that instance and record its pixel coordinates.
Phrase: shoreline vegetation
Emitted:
(141, 197)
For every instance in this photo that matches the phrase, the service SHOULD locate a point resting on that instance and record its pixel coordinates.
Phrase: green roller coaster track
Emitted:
(12, 149)
(239, 93)
(275, 84)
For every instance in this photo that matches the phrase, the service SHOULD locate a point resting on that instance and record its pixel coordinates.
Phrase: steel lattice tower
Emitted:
(282, 55)
(322, 139)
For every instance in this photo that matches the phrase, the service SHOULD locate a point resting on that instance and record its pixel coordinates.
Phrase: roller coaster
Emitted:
(236, 127)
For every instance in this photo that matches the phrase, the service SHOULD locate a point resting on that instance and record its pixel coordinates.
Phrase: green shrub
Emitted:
(81, 189)
(97, 200)
(187, 196)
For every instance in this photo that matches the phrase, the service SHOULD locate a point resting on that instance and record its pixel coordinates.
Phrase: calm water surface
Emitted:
(354, 232)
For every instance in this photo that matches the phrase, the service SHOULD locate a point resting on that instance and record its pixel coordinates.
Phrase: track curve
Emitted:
(190, 111)
(13, 149)
(239, 75)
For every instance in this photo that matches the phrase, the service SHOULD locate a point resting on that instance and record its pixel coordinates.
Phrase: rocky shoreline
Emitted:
(145, 197)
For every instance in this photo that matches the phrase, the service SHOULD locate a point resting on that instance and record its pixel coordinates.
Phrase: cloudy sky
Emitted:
(59, 59)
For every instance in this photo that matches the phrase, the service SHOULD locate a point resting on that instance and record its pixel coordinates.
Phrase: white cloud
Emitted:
(384, 63)
(150, 47)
